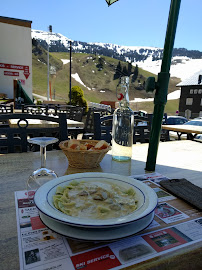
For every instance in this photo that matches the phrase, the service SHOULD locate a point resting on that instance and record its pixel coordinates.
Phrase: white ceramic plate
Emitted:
(95, 234)
(147, 200)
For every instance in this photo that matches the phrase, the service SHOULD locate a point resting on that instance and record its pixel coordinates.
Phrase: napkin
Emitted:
(185, 190)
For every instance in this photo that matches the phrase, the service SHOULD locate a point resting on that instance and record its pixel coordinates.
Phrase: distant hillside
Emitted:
(97, 83)
(60, 43)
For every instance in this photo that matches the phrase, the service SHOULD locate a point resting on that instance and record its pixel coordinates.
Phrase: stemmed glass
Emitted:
(41, 175)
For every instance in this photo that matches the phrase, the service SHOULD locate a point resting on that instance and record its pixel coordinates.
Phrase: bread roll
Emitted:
(101, 145)
(83, 147)
(74, 144)
(89, 146)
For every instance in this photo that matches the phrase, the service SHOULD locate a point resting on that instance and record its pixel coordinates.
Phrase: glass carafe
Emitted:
(123, 124)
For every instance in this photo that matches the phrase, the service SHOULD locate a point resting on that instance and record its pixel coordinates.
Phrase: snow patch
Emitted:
(41, 62)
(65, 61)
(171, 96)
(182, 67)
(78, 79)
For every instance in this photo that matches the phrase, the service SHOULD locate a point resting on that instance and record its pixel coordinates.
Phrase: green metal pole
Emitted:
(162, 86)
(70, 73)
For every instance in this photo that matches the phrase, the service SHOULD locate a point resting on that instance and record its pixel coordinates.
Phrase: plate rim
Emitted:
(96, 239)
(102, 224)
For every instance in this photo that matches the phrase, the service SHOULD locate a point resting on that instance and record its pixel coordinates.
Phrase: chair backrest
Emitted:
(89, 122)
(142, 127)
(72, 112)
(35, 109)
(103, 127)
(14, 139)
(6, 108)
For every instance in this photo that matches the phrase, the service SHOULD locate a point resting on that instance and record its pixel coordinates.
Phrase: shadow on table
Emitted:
(71, 170)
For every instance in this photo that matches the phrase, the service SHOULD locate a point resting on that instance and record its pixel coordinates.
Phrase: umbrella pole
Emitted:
(162, 86)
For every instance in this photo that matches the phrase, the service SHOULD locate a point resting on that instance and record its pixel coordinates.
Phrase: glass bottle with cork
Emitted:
(123, 124)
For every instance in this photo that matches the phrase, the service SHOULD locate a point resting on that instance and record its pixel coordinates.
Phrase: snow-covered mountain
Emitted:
(184, 62)
(181, 67)
(52, 37)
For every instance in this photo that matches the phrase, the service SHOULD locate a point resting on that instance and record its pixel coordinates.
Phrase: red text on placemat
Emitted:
(99, 259)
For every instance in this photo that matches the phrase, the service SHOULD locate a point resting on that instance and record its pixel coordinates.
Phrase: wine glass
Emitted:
(41, 175)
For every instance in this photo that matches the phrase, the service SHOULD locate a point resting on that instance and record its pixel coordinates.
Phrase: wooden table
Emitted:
(184, 129)
(176, 159)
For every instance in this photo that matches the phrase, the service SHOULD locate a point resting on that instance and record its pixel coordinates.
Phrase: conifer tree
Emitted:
(100, 63)
(129, 68)
(135, 73)
(125, 71)
(118, 71)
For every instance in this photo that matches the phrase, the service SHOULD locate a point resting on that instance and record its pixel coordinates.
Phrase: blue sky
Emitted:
(126, 22)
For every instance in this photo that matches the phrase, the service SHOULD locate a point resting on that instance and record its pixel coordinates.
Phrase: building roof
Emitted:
(15, 21)
(193, 80)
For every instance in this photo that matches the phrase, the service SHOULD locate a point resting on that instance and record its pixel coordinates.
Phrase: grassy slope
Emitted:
(85, 66)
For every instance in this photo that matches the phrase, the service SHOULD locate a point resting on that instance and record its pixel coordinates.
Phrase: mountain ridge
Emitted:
(122, 52)
(184, 62)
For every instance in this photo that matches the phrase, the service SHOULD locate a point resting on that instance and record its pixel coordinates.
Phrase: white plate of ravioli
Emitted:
(95, 200)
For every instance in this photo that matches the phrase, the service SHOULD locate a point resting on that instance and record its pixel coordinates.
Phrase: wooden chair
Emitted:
(165, 136)
(88, 132)
(142, 128)
(63, 109)
(73, 113)
(103, 127)
(6, 108)
(35, 109)
(15, 139)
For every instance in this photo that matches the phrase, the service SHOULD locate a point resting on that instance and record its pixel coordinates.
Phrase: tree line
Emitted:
(126, 71)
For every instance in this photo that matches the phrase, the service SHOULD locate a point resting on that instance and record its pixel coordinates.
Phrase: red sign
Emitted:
(23, 203)
(18, 67)
(99, 259)
(11, 73)
(164, 239)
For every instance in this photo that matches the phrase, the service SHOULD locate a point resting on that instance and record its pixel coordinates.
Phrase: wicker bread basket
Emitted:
(84, 159)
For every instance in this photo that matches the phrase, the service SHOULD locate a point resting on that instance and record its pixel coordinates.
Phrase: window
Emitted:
(189, 101)
(195, 91)
(200, 91)
(200, 113)
(201, 102)
(191, 91)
